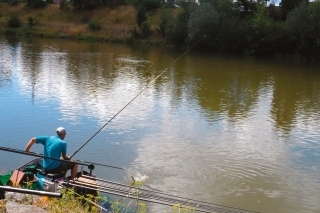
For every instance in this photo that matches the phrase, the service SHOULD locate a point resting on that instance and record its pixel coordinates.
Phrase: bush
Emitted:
(86, 4)
(36, 3)
(177, 29)
(260, 37)
(150, 4)
(13, 21)
(145, 30)
(30, 21)
(203, 21)
(303, 27)
(14, 3)
(94, 25)
(63, 5)
(141, 16)
(164, 19)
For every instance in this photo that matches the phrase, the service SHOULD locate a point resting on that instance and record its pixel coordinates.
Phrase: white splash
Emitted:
(139, 177)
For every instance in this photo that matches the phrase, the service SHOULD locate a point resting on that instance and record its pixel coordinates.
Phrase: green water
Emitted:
(239, 132)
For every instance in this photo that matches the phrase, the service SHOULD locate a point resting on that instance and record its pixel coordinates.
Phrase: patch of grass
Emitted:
(71, 202)
(3, 205)
(116, 24)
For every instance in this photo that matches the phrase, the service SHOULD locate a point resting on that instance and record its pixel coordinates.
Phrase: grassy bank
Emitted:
(118, 24)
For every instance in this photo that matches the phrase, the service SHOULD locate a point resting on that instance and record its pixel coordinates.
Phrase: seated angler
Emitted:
(55, 147)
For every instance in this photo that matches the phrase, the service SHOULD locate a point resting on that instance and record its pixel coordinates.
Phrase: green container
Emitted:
(4, 179)
(31, 168)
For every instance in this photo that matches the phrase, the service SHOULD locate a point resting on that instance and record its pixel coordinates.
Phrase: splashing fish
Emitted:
(139, 177)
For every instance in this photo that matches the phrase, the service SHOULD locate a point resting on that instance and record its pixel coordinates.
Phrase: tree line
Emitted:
(255, 27)
(248, 27)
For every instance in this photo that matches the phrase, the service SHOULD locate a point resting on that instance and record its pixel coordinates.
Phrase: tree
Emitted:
(303, 25)
(177, 30)
(288, 6)
(165, 16)
(141, 15)
(203, 21)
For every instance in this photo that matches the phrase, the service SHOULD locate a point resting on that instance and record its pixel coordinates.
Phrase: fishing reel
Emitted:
(91, 167)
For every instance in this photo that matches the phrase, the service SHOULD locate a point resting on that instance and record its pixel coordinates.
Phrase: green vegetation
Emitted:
(13, 21)
(235, 27)
(71, 201)
(94, 25)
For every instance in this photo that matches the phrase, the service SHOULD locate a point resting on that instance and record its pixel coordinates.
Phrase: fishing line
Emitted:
(137, 95)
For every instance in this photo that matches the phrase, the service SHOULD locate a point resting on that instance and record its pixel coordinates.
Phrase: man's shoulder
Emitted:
(58, 139)
(42, 138)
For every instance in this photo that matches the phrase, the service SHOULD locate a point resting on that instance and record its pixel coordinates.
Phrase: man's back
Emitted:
(53, 147)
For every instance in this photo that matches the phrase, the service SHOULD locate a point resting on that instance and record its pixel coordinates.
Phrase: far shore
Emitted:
(117, 25)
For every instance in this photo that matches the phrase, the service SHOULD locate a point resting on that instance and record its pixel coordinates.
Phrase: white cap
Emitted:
(61, 130)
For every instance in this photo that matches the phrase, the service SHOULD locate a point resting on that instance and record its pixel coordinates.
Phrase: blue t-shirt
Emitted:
(53, 147)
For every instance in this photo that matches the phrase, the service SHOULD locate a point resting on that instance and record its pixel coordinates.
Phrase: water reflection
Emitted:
(236, 132)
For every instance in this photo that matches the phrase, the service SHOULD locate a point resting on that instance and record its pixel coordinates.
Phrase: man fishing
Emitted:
(55, 147)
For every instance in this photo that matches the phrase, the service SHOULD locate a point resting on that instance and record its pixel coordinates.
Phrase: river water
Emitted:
(238, 132)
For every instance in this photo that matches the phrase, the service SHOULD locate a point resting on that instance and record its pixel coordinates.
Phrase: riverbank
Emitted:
(116, 25)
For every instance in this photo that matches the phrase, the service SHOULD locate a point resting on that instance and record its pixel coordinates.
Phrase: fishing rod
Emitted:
(30, 191)
(150, 83)
(80, 162)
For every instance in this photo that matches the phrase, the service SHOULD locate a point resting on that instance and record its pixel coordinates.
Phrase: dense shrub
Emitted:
(177, 28)
(303, 25)
(13, 21)
(14, 3)
(86, 4)
(150, 4)
(145, 30)
(141, 15)
(260, 37)
(30, 21)
(203, 21)
(36, 3)
(94, 25)
(165, 16)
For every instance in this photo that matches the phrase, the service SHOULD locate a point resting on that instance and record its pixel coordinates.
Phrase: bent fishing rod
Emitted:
(80, 162)
(150, 83)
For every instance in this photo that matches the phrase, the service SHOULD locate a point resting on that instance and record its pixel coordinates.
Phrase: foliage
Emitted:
(231, 37)
(36, 3)
(177, 208)
(164, 19)
(86, 4)
(177, 29)
(30, 21)
(260, 37)
(113, 3)
(203, 21)
(13, 21)
(3, 205)
(145, 30)
(287, 6)
(14, 3)
(72, 201)
(141, 15)
(94, 25)
(303, 24)
(143, 6)
(150, 4)
(63, 4)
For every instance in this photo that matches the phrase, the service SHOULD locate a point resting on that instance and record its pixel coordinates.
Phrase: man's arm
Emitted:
(64, 156)
(29, 145)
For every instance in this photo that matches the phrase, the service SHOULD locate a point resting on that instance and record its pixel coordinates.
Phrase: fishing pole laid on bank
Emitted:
(80, 162)
(151, 82)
